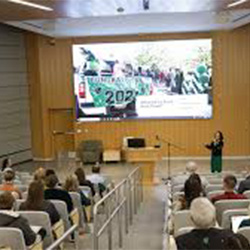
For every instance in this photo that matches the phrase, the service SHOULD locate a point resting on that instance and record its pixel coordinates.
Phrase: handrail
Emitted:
(118, 202)
(62, 238)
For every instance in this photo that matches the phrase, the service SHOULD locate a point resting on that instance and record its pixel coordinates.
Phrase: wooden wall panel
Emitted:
(15, 132)
(231, 93)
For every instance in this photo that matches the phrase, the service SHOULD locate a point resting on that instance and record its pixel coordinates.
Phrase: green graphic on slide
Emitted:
(110, 91)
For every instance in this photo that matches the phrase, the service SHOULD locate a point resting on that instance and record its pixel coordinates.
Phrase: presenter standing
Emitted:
(216, 147)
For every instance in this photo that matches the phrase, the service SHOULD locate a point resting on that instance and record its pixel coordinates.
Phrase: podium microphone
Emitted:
(158, 143)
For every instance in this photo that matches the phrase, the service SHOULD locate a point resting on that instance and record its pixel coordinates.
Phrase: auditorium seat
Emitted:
(184, 230)
(62, 210)
(227, 215)
(224, 205)
(12, 238)
(177, 188)
(214, 193)
(214, 187)
(77, 204)
(41, 219)
(182, 219)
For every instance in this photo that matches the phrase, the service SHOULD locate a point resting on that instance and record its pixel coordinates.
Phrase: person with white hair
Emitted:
(205, 235)
(191, 168)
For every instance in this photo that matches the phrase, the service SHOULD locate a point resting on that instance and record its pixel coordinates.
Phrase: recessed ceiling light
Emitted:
(32, 5)
(236, 3)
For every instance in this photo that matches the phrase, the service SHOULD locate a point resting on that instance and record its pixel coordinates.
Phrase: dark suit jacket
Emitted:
(244, 185)
(212, 238)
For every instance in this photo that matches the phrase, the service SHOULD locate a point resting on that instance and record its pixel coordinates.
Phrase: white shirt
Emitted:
(96, 178)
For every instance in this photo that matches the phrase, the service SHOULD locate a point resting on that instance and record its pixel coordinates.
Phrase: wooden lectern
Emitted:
(146, 158)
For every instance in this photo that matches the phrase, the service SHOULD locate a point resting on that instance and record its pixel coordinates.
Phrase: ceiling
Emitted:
(113, 17)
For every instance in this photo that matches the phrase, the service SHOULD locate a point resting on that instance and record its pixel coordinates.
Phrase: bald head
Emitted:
(191, 167)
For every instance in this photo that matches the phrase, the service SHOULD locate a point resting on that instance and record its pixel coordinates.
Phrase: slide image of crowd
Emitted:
(182, 67)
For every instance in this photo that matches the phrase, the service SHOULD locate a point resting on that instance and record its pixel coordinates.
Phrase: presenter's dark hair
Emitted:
(221, 135)
(35, 195)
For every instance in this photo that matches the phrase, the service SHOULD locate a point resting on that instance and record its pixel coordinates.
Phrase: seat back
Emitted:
(214, 187)
(182, 219)
(247, 194)
(177, 188)
(12, 238)
(41, 219)
(215, 181)
(61, 208)
(227, 215)
(86, 190)
(211, 194)
(76, 198)
(184, 230)
(224, 205)
(245, 231)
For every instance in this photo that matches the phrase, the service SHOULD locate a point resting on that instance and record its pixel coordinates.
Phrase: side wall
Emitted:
(53, 88)
(15, 134)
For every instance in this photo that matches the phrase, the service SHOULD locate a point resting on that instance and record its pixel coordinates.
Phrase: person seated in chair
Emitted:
(205, 235)
(8, 185)
(36, 202)
(229, 183)
(72, 185)
(191, 168)
(83, 181)
(9, 218)
(54, 192)
(98, 179)
(244, 185)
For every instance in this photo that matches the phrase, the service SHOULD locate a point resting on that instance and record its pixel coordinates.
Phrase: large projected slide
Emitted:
(143, 80)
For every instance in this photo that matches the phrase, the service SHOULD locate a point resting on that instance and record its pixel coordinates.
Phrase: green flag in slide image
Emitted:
(109, 91)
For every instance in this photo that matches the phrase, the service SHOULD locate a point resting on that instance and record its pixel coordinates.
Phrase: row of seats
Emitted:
(225, 209)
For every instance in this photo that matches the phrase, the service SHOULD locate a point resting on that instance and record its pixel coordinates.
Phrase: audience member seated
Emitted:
(192, 189)
(246, 222)
(205, 235)
(6, 163)
(39, 174)
(35, 202)
(54, 192)
(9, 218)
(8, 184)
(83, 181)
(191, 168)
(98, 179)
(71, 185)
(49, 172)
(229, 183)
(244, 185)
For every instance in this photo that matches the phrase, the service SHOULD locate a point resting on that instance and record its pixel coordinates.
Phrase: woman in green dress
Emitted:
(216, 147)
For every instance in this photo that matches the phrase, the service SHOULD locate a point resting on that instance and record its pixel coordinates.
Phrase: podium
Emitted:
(146, 158)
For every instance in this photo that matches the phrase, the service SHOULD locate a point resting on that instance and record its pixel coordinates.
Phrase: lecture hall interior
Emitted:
(125, 124)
